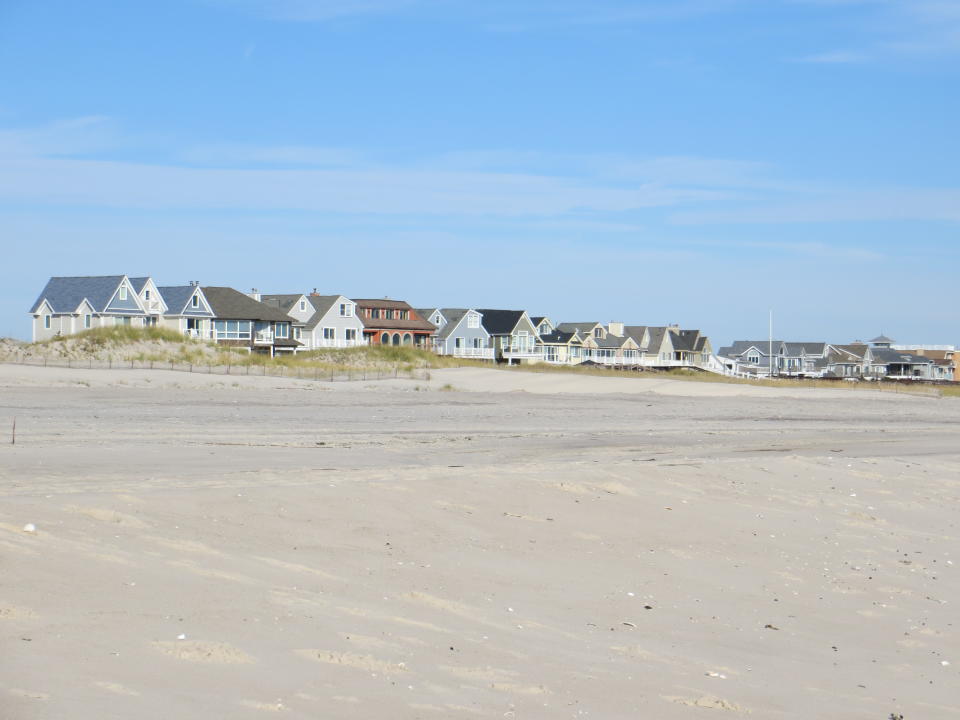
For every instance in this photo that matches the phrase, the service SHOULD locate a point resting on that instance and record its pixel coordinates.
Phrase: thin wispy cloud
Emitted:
(837, 57)
(51, 166)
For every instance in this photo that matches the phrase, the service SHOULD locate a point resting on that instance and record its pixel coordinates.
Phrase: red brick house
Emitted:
(393, 322)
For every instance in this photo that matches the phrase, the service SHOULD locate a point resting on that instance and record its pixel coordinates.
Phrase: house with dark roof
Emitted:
(460, 333)
(321, 321)
(244, 322)
(187, 310)
(513, 335)
(885, 362)
(68, 305)
(393, 322)
(543, 324)
(561, 348)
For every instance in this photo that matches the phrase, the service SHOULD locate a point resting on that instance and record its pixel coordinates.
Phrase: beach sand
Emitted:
(521, 546)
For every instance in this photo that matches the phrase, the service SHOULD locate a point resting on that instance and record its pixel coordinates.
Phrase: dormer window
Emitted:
(598, 332)
(303, 305)
(195, 301)
(123, 292)
(146, 294)
(473, 320)
(346, 310)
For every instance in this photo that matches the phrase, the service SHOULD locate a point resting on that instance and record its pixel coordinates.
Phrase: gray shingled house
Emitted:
(69, 305)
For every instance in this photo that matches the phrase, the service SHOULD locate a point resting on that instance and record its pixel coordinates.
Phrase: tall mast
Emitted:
(770, 346)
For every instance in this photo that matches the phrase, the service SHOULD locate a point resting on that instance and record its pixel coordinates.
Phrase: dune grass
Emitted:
(118, 335)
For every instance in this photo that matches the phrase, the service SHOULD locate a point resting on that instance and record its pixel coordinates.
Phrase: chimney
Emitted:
(315, 292)
(255, 294)
(615, 328)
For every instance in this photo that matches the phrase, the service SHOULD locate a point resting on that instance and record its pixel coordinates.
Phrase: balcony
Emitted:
(470, 352)
(263, 337)
(325, 343)
(200, 334)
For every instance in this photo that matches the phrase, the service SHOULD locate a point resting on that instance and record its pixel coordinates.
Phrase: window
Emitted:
(351, 333)
(598, 332)
(46, 322)
(375, 313)
(389, 315)
(329, 333)
(303, 305)
(195, 301)
(458, 343)
(146, 294)
(123, 292)
(477, 343)
(282, 330)
(473, 320)
(232, 329)
(87, 321)
(346, 310)
(403, 314)
(296, 333)
(755, 359)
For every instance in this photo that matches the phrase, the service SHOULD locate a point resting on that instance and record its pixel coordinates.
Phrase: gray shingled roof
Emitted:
(228, 303)
(889, 356)
(177, 297)
(283, 301)
(584, 328)
(453, 316)
(64, 294)
(138, 283)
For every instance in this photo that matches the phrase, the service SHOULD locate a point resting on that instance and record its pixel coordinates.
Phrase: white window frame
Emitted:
(87, 321)
(351, 334)
(281, 330)
(46, 322)
(332, 333)
(473, 320)
(195, 301)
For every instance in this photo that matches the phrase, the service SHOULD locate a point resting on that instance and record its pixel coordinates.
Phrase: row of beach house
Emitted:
(295, 322)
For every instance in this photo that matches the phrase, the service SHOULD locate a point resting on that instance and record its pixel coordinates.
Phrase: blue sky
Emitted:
(652, 161)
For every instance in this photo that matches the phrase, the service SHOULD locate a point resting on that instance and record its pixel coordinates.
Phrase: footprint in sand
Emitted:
(706, 701)
(116, 688)
(359, 662)
(203, 652)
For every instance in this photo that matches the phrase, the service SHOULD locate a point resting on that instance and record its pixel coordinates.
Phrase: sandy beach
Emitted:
(482, 544)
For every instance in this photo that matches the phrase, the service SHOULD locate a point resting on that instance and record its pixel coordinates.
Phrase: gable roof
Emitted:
(233, 304)
(138, 283)
(559, 337)
(453, 316)
(889, 356)
(585, 328)
(500, 322)
(415, 322)
(283, 302)
(177, 297)
(64, 294)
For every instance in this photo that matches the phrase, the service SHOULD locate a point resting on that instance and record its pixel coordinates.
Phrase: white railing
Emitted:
(325, 343)
(263, 337)
(520, 352)
(200, 334)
